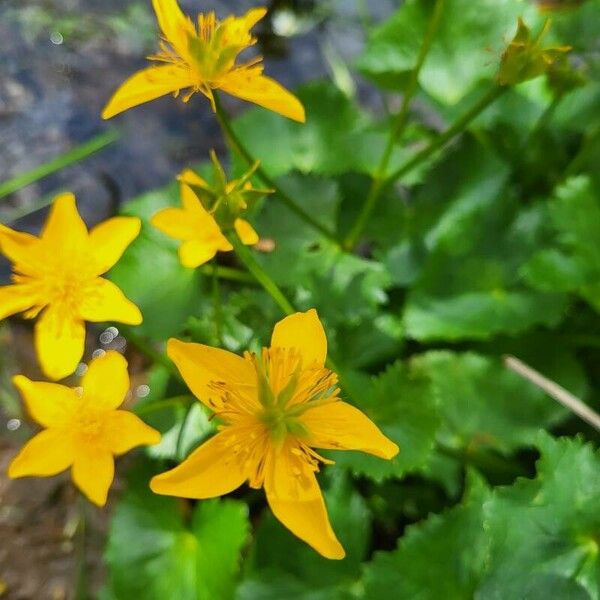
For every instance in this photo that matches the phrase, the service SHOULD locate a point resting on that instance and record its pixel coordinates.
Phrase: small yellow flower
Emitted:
(83, 428)
(274, 410)
(196, 227)
(57, 276)
(201, 59)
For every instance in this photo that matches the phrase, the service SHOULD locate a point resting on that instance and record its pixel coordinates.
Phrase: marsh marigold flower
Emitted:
(198, 226)
(56, 278)
(83, 428)
(201, 58)
(275, 409)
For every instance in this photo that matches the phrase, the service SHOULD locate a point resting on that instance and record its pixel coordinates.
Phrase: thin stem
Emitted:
(397, 129)
(364, 15)
(181, 435)
(174, 402)
(243, 152)
(455, 129)
(216, 300)
(227, 273)
(544, 119)
(400, 121)
(574, 404)
(584, 151)
(483, 460)
(20, 213)
(245, 255)
(458, 127)
(69, 158)
(145, 347)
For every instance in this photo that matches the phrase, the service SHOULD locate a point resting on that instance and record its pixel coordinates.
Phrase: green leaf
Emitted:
(547, 529)
(479, 315)
(465, 49)
(298, 247)
(337, 137)
(153, 553)
(469, 285)
(575, 212)
(322, 145)
(401, 403)
(483, 404)
(150, 274)
(442, 557)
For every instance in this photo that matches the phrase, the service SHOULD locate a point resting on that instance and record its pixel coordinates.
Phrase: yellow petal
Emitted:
(64, 229)
(104, 301)
(190, 177)
(109, 239)
(93, 472)
(16, 298)
(304, 332)
(210, 471)
(251, 85)
(340, 426)
(194, 253)
(174, 24)
(200, 364)
(146, 85)
(125, 431)
(48, 453)
(295, 498)
(246, 232)
(50, 404)
(59, 341)
(253, 16)
(176, 223)
(20, 247)
(106, 382)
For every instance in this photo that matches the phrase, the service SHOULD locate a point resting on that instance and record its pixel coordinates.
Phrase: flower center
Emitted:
(286, 389)
(61, 285)
(89, 426)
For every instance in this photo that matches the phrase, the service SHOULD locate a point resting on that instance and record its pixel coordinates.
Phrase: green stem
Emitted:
(173, 402)
(245, 255)
(145, 347)
(364, 15)
(178, 446)
(20, 213)
(227, 273)
(582, 155)
(484, 460)
(69, 158)
(216, 300)
(543, 120)
(399, 123)
(243, 152)
(458, 127)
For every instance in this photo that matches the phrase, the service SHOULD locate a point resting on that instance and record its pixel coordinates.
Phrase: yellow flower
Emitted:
(58, 275)
(83, 428)
(196, 227)
(274, 410)
(201, 59)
